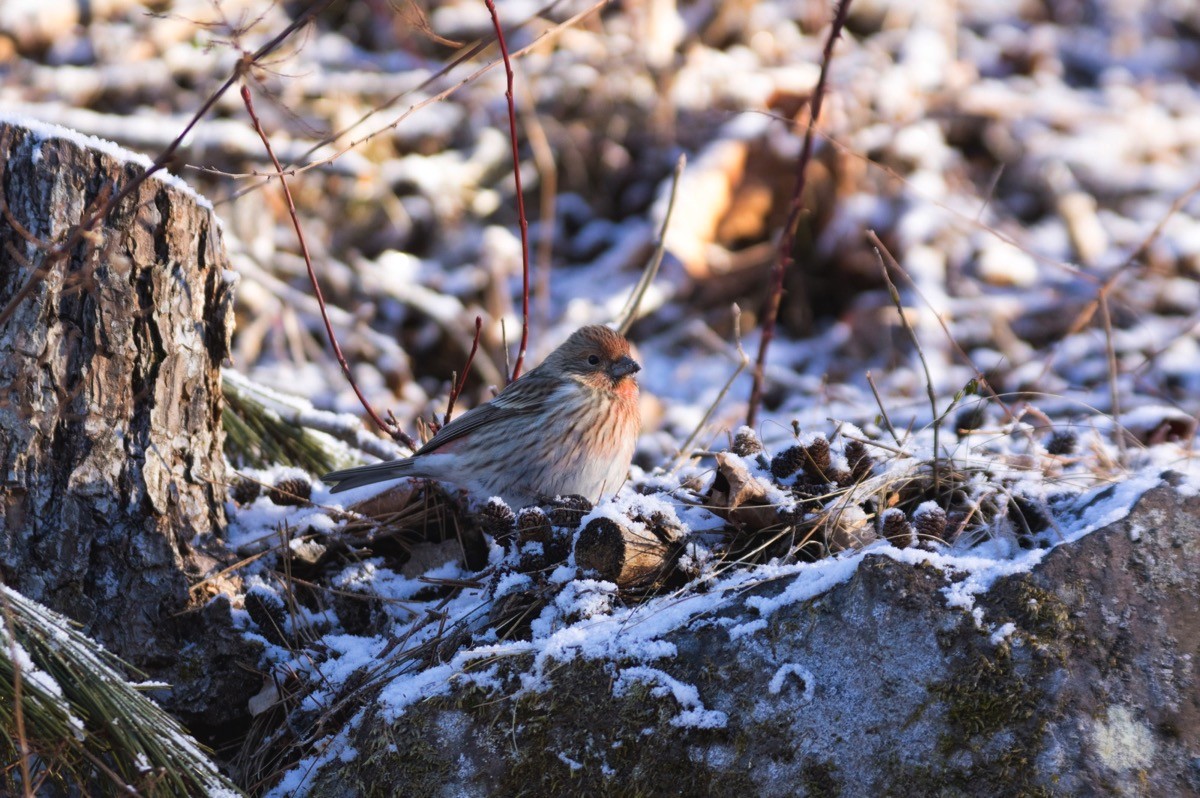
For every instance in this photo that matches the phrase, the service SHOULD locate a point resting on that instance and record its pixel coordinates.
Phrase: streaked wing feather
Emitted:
(527, 396)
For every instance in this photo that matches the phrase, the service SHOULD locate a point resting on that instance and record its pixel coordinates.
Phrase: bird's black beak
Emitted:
(624, 367)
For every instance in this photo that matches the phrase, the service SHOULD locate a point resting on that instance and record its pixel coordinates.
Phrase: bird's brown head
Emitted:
(597, 356)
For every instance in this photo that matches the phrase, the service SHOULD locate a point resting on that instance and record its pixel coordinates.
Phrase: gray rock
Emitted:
(874, 688)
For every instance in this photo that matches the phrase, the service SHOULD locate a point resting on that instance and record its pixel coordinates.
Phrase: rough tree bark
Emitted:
(110, 398)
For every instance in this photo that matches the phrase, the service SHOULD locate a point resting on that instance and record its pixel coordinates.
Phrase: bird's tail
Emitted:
(369, 474)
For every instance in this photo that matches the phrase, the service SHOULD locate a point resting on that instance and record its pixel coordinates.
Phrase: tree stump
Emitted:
(631, 558)
(110, 392)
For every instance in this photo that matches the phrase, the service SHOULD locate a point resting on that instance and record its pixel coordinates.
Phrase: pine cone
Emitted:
(787, 462)
(244, 490)
(817, 460)
(805, 488)
(269, 614)
(841, 477)
(859, 460)
(291, 492)
(497, 519)
(568, 511)
(1062, 441)
(896, 528)
(930, 522)
(746, 443)
(533, 525)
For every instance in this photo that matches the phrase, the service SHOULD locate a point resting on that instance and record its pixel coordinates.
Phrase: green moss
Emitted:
(626, 745)
(995, 707)
(983, 698)
(1038, 613)
(820, 779)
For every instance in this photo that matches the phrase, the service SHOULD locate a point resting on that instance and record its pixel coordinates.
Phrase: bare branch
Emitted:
(457, 389)
(392, 429)
(521, 218)
(788, 235)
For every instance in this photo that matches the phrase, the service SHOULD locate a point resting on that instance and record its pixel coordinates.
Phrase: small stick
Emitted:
(745, 361)
(456, 390)
(887, 422)
(1113, 389)
(647, 278)
(521, 218)
(504, 344)
(392, 429)
(787, 238)
(937, 422)
(884, 446)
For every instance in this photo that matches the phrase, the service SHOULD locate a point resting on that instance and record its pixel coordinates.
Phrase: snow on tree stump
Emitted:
(110, 392)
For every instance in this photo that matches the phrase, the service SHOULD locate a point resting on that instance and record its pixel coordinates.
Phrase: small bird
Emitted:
(567, 427)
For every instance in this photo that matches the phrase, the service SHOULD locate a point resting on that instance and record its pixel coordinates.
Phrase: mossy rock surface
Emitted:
(877, 687)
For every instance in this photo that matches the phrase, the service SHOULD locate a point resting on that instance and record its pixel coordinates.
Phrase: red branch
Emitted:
(456, 390)
(392, 429)
(524, 222)
(788, 237)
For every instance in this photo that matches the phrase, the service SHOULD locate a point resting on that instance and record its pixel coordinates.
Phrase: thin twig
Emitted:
(504, 345)
(884, 446)
(647, 278)
(1114, 389)
(457, 389)
(521, 218)
(787, 237)
(539, 41)
(392, 429)
(56, 254)
(887, 422)
(745, 361)
(936, 419)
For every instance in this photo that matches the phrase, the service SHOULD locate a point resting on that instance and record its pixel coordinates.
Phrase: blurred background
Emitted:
(1019, 160)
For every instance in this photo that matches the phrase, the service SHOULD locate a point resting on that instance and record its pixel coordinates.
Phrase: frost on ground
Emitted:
(1032, 170)
(447, 629)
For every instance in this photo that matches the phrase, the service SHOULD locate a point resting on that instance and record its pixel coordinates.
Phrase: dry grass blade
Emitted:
(980, 377)
(744, 361)
(1114, 390)
(630, 311)
(883, 413)
(929, 390)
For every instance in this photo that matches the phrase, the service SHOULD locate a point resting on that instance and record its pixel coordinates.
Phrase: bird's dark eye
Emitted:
(594, 360)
